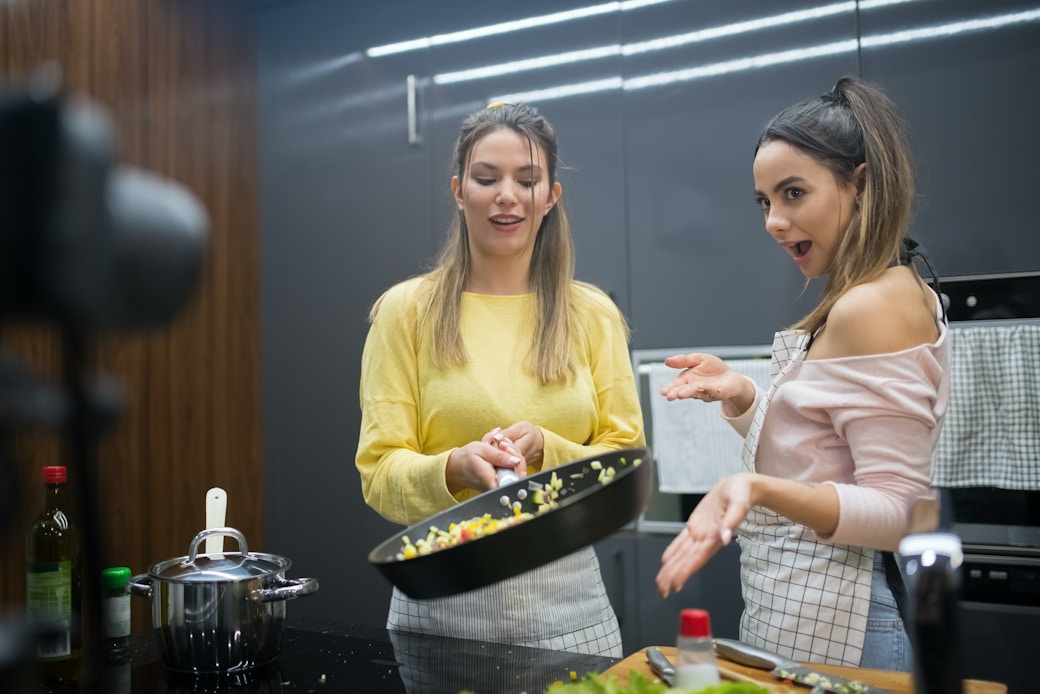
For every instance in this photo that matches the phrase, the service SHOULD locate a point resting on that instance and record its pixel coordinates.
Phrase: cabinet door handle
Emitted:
(414, 138)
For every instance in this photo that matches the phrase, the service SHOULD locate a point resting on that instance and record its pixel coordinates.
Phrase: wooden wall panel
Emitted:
(178, 79)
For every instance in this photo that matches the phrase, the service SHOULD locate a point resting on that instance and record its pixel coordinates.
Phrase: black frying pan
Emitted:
(587, 511)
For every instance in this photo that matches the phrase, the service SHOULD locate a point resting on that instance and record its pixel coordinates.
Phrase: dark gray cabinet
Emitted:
(630, 561)
(346, 211)
(998, 643)
(704, 270)
(617, 562)
(965, 75)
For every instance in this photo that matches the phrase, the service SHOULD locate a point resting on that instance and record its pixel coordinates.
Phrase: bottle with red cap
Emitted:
(54, 583)
(695, 666)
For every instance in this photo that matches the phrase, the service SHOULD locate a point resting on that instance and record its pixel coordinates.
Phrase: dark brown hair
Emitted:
(852, 124)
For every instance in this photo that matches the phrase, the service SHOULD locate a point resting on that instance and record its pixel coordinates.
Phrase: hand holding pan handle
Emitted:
(506, 476)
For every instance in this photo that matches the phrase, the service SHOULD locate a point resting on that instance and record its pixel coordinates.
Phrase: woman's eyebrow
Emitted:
(783, 183)
(529, 168)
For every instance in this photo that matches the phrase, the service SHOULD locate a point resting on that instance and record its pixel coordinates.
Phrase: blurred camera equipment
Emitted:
(86, 246)
(933, 562)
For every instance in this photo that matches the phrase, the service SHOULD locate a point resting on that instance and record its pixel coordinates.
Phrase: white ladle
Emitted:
(216, 508)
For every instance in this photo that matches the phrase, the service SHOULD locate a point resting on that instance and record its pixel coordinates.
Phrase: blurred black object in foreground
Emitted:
(86, 246)
(82, 241)
(933, 562)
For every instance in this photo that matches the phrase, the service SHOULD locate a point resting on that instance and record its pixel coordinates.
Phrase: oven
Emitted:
(993, 501)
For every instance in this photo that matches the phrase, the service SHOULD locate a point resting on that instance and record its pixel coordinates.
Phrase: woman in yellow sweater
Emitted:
(498, 359)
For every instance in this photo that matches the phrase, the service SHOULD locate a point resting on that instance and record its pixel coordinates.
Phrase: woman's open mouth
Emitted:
(506, 222)
(801, 249)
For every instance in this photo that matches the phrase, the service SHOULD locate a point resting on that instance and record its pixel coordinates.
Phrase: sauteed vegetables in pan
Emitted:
(541, 518)
(543, 495)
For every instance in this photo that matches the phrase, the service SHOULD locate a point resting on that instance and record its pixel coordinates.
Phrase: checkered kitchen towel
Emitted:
(991, 436)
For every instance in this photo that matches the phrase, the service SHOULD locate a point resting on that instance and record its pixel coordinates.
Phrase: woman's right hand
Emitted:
(708, 378)
(476, 465)
(708, 529)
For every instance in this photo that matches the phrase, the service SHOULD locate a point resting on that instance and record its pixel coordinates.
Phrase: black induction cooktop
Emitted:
(327, 658)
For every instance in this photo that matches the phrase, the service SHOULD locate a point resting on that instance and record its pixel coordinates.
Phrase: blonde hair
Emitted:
(853, 124)
(552, 263)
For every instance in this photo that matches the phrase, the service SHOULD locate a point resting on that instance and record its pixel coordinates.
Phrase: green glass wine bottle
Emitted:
(54, 584)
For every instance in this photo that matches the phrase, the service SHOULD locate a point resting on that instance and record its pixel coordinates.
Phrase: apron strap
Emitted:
(896, 584)
(912, 249)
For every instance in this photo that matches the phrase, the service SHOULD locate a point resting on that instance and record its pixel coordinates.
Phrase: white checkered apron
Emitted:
(804, 599)
(561, 606)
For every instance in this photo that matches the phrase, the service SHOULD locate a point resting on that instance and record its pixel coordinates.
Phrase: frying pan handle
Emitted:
(507, 476)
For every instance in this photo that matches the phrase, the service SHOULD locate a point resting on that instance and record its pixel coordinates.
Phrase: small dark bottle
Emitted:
(54, 584)
(933, 563)
(115, 614)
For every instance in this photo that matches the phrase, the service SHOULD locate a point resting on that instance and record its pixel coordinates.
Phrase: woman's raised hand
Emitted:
(704, 377)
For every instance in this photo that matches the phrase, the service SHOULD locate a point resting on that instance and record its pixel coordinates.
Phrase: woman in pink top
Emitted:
(841, 445)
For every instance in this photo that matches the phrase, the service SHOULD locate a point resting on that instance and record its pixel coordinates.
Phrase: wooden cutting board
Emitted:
(897, 682)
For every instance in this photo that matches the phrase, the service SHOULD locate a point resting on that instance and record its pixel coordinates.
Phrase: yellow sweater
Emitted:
(414, 414)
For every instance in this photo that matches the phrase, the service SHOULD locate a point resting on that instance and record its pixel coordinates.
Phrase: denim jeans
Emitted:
(886, 645)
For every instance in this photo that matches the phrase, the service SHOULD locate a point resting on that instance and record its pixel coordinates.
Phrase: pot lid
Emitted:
(218, 568)
(223, 567)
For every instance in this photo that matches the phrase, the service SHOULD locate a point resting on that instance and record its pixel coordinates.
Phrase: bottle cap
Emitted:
(694, 623)
(55, 474)
(116, 577)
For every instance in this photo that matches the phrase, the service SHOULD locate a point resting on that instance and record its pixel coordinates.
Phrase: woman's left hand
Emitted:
(709, 527)
(528, 440)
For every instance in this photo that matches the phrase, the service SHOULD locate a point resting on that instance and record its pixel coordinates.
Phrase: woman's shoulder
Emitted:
(589, 296)
(403, 296)
(892, 313)
(596, 311)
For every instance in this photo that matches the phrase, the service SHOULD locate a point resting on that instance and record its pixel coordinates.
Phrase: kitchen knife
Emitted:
(785, 668)
(660, 665)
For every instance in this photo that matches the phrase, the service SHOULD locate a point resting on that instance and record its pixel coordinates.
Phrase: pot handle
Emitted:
(193, 549)
(140, 585)
(288, 589)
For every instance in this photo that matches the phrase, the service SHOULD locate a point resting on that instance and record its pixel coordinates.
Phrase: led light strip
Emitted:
(662, 43)
(770, 59)
(320, 69)
(952, 29)
(529, 64)
(506, 27)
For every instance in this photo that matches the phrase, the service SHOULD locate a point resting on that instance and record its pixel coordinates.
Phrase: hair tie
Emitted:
(835, 97)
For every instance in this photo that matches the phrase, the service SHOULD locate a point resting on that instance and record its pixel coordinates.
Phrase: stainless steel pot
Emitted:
(219, 613)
